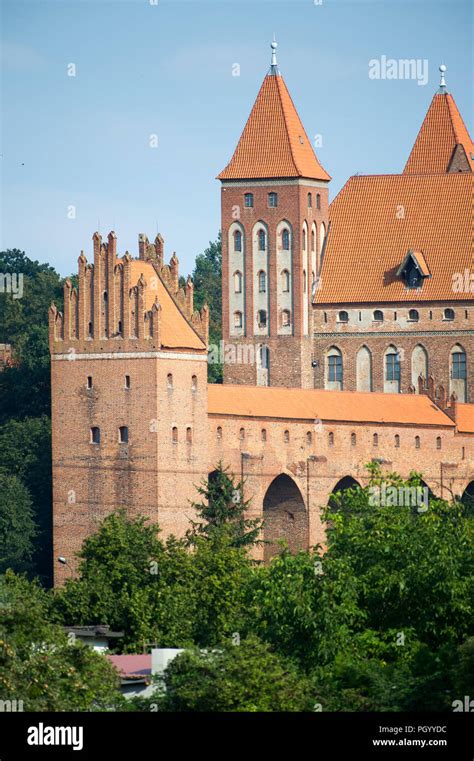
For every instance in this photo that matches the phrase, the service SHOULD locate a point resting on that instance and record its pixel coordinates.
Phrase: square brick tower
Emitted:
(274, 205)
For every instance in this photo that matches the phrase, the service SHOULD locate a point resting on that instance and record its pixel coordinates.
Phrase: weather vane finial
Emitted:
(274, 65)
(442, 81)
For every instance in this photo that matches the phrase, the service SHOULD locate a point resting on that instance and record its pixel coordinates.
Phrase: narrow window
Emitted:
(262, 282)
(264, 434)
(458, 365)
(219, 432)
(248, 200)
(174, 435)
(331, 439)
(89, 381)
(237, 241)
(237, 319)
(242, 434)
(95, 435)
(261, 240)
(438, 442)
(335, 368)
(238, 282)
(285, 239)
(194, 383)
(397, 440)
(313, 241)
(353, 439)
(120, 328)
(123, 434)
(318, 201)
(285, 281)
(285, 318)
(169, 380)
(310, 200)
(309, 438)
(417, 442)
(392, 367)
(262, 318)
(89, 330)
(273, 200)
(375, 439)
(286, 437)
(304, 239)
(189, 435)
(127, 381)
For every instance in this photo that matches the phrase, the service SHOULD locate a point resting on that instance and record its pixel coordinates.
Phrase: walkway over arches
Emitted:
(284, 516)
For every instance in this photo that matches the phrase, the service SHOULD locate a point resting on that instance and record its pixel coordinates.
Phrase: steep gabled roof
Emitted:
(441, 134)
(375, 220)
(274, 142)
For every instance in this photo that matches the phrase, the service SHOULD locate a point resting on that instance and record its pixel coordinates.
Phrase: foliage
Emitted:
(17, 526)
(39, 665)
(207, 279)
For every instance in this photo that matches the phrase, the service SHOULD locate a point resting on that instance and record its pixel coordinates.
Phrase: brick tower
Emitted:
(274, 205)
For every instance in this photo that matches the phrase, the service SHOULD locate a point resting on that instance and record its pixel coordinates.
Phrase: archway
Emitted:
(338, 502)
(284, 516)
(468, 498)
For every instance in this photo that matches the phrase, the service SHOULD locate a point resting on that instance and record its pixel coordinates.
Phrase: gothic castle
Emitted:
(348, 327)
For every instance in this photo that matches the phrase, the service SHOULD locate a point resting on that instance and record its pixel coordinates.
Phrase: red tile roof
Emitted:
(315, 404)
(442, 130)
(274, 142)
(132, 666)
(376, 220)
(465, 418)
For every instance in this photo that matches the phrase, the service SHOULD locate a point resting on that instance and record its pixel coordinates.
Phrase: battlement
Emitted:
(127, 304)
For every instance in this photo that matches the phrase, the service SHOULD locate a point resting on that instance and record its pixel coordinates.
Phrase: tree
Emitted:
(235, 677)
(39, 665)
(17, 525)
(207, 279)
(223, 510)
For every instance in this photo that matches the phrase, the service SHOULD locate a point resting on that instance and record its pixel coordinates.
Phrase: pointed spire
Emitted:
(274, 65)
(442, 82)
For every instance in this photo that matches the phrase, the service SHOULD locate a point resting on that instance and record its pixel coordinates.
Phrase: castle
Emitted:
(349, 327)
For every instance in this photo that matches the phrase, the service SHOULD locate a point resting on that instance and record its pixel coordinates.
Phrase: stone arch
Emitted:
(364, 369)
(344, 483)
(285, 517)
(419, 365)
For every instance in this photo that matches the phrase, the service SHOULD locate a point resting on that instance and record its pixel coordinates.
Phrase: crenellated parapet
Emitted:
(118, 303)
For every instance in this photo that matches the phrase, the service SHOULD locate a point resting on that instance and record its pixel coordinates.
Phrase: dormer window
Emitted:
(413, 269)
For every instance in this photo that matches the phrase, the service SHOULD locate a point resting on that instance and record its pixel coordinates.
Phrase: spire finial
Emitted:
(442, 81)
(274, 65)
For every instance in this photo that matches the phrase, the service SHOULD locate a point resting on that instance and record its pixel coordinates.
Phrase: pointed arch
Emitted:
(419, 365)
(364, 369)
(458, 372)
(391, 370)
(334, 371)
(284, 516)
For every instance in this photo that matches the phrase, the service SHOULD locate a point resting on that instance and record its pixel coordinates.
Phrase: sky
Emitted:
(119, 114)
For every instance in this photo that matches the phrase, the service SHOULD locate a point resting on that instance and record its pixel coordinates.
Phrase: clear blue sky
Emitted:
(166, 69)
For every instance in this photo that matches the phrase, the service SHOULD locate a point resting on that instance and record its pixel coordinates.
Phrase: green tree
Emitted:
(207, 279)
(223, 509)
(233, 678)
(17, 525)
(39, 665)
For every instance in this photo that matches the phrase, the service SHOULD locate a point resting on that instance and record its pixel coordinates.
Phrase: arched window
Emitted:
(189, 435)
(304, 238)
(397, 441)
(89, 330)
(242, 434)
(343, 316)
(285, 281)
(364, 369)
(318, 201)
(331, 439)
(123, 434)
(413, 315)
(89, 381)
(262, 238)
(95, 435)
(174, 435)
(310, 200)
(248, 200)
(273, 200)
(375, 439)
(263, 434)
(334, 368)
(238, 282)
(417, 442)
(286, 437)
(169, 380)
(262, 318)
(262, 282)
(449, 314)
(419, 365)
(285, 318)
(237, 240)
(127, 382)
(438, 442)
(353, 439)
(458, 364)
(392, 366)
(194, 383)
(313, 240)
(219, 432)
(378, 315)
(119, 329)
(237, 319)
(285, 239)
(264, 357)
(309, 438)
(305, 284)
